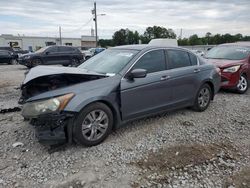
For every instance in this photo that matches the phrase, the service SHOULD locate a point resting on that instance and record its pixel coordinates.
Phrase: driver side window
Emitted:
(153, 61)
(52, 49)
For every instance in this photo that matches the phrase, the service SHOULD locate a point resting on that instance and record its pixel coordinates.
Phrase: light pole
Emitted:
(95, 20)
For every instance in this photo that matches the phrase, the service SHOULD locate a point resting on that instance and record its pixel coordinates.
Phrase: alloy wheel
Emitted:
(242, 85)
(95, 125)
(204, 97)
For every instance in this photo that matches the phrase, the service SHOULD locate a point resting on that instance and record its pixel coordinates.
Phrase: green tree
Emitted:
(208, 36)
(125, 36)
(195, 40)
(183, 42)
(106, 42)
(119, 37)
(157, 32)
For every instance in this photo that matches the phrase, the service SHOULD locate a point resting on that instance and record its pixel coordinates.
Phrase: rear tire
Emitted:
(93, 124)
(203, 98)
(242, 85)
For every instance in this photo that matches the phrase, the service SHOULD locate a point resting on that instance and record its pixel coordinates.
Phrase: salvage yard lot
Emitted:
(177, 149)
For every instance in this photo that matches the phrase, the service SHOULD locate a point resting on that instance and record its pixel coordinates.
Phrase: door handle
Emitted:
(197, 70)
(165, 78)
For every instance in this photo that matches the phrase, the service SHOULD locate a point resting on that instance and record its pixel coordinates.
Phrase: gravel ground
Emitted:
(177, 149)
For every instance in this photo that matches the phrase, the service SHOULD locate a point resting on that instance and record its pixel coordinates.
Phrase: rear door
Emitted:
(142, 96)
(65, 54)
(183, 73)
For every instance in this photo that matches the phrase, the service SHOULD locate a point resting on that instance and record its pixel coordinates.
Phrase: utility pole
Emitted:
(60, 35)
(95, 19)
(180, 37)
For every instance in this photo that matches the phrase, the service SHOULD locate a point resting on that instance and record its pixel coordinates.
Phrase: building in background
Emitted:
(33, 43)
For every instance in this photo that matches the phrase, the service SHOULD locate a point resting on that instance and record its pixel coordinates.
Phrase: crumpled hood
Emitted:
(40, 71)
(223, 63)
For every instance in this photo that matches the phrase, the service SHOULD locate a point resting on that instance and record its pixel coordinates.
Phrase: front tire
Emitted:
(74, 62)
(242, 85)
(35, 62)
(93, 124)
(203, 98)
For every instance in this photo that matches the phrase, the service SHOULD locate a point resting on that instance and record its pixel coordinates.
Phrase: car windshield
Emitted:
(228, 52)
(109, 61)
(41, 50)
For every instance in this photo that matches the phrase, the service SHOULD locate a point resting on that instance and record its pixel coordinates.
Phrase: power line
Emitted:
(77, 29)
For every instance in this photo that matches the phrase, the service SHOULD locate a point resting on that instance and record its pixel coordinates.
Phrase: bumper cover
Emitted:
(25, 62)
(51, 129)
(229, 80)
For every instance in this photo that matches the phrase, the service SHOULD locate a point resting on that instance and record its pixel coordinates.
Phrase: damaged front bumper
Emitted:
(54, 128)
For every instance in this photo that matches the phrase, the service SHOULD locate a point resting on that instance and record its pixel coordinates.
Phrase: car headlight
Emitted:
(26, 57)
(33, 109)
(232, 69)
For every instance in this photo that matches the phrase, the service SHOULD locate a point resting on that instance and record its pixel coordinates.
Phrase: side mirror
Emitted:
(137, 73)
(47, 53)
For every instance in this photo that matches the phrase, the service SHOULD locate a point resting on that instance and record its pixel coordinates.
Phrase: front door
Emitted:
(51, 55)
(142, 96)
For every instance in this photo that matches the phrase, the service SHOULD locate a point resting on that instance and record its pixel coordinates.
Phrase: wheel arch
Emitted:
(116, 117)
(39, 58)
(211, 85)
(112, 105)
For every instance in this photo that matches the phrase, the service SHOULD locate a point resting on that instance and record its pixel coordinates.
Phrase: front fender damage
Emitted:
(53, 129)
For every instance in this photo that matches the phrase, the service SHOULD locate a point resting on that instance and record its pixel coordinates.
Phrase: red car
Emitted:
(233, 59)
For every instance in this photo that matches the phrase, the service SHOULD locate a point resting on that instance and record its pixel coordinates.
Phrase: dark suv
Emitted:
(11, 50)
(50, 55)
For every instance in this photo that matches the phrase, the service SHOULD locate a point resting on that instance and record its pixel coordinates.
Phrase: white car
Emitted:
(198, 52)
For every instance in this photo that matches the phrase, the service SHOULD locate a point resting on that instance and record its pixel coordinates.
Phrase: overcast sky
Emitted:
(42, 17)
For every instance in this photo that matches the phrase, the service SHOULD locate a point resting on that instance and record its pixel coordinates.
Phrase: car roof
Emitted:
(140, 47)
(242, 44)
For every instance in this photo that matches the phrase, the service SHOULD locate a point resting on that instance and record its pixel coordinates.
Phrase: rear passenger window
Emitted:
(193, 59)
(153, 61)
(64, 49)
(177, 59)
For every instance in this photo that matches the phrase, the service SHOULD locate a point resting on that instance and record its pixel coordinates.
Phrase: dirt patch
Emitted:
(182, 157)
(240, 180)
(185, 155)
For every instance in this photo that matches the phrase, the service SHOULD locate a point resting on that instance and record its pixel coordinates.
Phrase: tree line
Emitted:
(126, 36)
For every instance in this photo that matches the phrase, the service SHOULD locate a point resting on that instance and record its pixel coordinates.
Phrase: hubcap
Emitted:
(242, 85)
(95, 125)
(204, 97)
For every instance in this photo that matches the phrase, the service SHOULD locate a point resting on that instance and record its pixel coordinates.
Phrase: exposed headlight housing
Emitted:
(232, 69)
(33, 109)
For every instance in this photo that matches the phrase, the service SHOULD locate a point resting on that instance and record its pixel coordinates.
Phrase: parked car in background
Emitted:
(7, 57)
(51, 55)
(87, 54)
(198, 52)
(121, 84)
(11, 50)
(20, 52)
(234, 61)
(92, 51)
